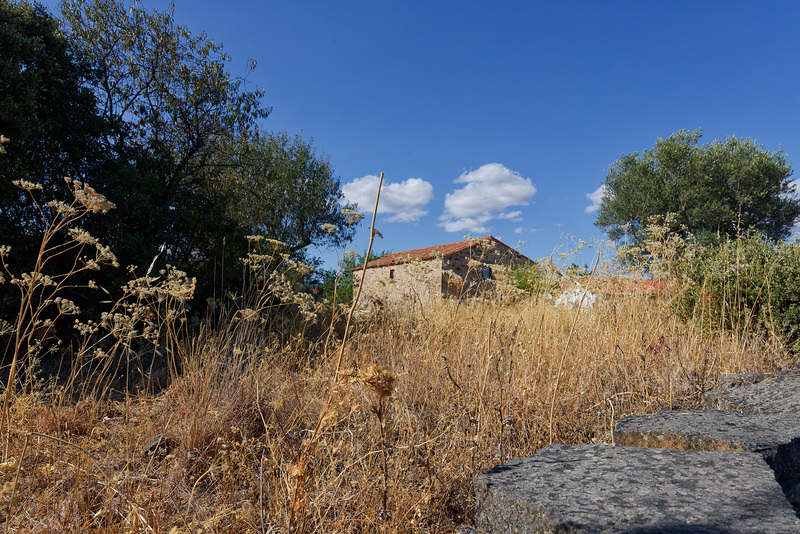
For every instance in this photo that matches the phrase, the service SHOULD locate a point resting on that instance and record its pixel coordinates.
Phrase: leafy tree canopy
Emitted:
(283, 189)
(722, 188)
(337, 285)
(48, 115)
(193, 170)
(146, 111)
(165, 88)
(173, 106)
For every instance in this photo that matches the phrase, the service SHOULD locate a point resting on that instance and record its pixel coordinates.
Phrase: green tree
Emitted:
(339, 284)
(173, 107)
(144, 110)
(194, 172)
(49, 116)
(283, 189)
(164, 87)
(719, 189)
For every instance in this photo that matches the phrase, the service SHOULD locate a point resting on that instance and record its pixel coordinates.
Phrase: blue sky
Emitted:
(500, 118)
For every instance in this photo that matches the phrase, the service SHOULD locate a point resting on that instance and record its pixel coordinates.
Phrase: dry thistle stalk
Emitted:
(379, 380)
(297, 509)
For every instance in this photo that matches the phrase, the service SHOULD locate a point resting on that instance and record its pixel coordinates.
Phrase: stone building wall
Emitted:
(416, 282)
(462, 274)
(475, 270)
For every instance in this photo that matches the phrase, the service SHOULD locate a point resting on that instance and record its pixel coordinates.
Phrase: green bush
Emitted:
(745, 284)
(531, 279)
(337, 285)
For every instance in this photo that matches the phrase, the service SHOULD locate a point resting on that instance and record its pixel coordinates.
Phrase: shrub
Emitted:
(530, 279)
(749, 283)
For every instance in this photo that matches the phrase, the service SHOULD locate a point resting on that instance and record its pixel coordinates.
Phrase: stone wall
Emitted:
(459, 275)
(413, 283)
(465, 271)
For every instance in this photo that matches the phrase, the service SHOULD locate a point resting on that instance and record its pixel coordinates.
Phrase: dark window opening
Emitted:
(391, 274)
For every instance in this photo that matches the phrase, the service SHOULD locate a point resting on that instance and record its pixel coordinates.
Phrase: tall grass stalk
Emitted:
(357, 296)
(40, 303)
(578, 310)
(299, 472)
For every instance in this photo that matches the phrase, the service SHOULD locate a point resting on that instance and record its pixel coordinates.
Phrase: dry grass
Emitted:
(473, 387)
(259, 431)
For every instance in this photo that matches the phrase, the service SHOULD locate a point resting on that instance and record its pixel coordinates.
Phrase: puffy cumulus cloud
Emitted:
(488, 192)
(402, 201)
(596, 198)
(466, 224)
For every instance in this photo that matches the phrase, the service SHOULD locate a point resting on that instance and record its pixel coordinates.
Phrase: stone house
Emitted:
(419, 276)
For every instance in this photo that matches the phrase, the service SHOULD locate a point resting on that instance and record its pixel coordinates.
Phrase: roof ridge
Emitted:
(426, 253)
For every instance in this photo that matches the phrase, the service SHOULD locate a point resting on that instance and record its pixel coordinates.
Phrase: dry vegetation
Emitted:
(254, 433)
(474, 385)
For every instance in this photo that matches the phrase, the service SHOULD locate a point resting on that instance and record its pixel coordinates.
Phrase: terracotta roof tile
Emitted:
(426, 253)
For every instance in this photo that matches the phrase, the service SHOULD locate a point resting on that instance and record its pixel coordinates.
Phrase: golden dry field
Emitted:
(261, 435)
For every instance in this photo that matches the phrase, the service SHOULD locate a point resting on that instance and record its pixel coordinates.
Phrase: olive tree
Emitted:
(723, 188)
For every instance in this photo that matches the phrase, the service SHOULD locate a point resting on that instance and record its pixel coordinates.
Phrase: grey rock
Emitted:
(791, 488)
(775, 436)
(605, 489)
(756, 393)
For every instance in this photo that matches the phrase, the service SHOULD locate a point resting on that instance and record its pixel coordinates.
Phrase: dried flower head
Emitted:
(26, 185)
(67, 307)
(91, 199)
(379, 380)
(5, 328)
(82, 236)
(3, 140)
(330, 228)
(275, 243)
(104, 254)
(352, 216)
(62, 208)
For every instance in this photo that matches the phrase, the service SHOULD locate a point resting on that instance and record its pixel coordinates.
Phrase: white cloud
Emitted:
(794, 186)
(513, 215)
(466, 224)
(596, 199)
(403, 201)
(519, 230)
(489, 190)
